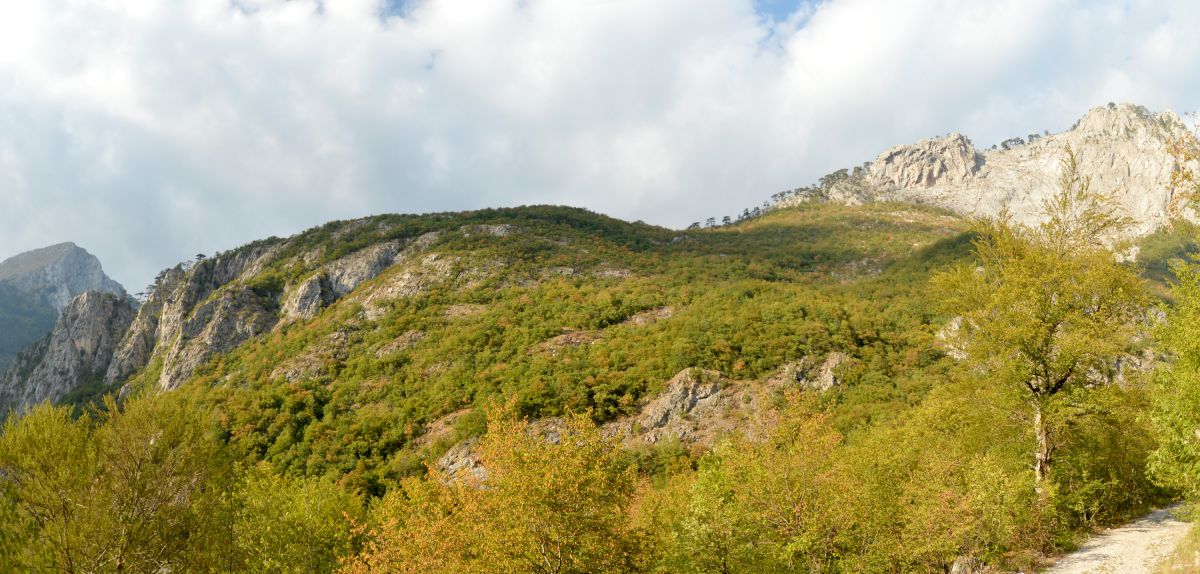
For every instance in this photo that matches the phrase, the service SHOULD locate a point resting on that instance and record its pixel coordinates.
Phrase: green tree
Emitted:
(1176, 461)
(133, 492)
(1049, 307)
(293, 525)
(48, 462)
(776, 504)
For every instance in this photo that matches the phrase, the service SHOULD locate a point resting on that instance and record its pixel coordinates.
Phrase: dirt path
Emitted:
(1134, 548)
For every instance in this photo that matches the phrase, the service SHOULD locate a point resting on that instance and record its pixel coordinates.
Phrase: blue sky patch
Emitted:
(779, 10)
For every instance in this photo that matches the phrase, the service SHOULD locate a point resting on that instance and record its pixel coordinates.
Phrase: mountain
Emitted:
(73, 357)
(371, 332)
(35, 286)
(793, 370)
(1123, 148)
(202, 316)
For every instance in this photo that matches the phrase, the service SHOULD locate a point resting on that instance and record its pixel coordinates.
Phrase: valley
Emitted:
(801, 390)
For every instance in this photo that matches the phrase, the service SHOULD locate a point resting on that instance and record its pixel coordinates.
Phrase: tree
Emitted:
(1176, 461)
(726, 220)
(133, 492)
(1012, 143)
(286, 524)
(1184, 178)
(762, 506)
(554, 502)
(48, 460)
(1048, 307)
(710, 222)
(828, 180)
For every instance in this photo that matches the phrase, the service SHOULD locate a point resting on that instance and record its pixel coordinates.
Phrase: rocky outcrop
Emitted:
(193, 312)
(949, 160)
(337, 279)
(77, 352)
(811, 374)
(211, 306)
(667, 414)
(217, 325)
(462, 462)
(697, 408)
(308, 298)
(1123, 148)
(418, 276)
(36, 286)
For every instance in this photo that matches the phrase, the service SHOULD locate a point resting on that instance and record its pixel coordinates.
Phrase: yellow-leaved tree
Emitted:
(1048, 308)
(555, 500)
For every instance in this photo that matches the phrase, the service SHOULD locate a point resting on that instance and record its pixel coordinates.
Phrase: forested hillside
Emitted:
(554, 353)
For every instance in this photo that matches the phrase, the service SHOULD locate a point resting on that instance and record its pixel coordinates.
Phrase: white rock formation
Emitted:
(76, 352)
(1122, 148)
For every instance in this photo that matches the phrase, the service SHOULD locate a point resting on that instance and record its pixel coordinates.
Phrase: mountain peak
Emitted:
(1123, 148)
(1130, 120)
(57, 273)
(33, 260)
(36, 285)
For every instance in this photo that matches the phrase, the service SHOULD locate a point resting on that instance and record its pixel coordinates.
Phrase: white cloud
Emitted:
(148, 131)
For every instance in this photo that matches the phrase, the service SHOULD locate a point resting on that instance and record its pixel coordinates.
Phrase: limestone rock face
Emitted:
(211, 306)
(191, 315)
(56, 274)
(215, 326)
(337, 279)
(809, 374)
(78, 351)
(308, 298)
(950, 160)
(1122, 148)
(685, 392)
(826, 376)
(462, 462)
(697, 408)
(37, 285)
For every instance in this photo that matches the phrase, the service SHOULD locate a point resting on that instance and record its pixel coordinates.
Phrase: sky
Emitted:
(148, 131)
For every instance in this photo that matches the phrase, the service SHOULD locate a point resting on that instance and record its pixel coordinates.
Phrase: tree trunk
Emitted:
(1041, 457)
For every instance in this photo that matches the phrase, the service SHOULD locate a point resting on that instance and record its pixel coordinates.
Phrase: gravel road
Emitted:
(1134, 548)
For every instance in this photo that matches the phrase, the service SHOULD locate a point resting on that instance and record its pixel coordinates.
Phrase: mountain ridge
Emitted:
(200, 311)
(1124, 149)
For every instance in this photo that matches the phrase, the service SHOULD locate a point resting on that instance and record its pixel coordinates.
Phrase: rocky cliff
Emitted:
(76, 353)
(1123, 148)
(35, 286)
(201, 309)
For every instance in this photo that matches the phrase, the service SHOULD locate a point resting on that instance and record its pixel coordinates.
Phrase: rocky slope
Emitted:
(211, 306)
(76, 353)
(1123, 148)
(35, 286)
